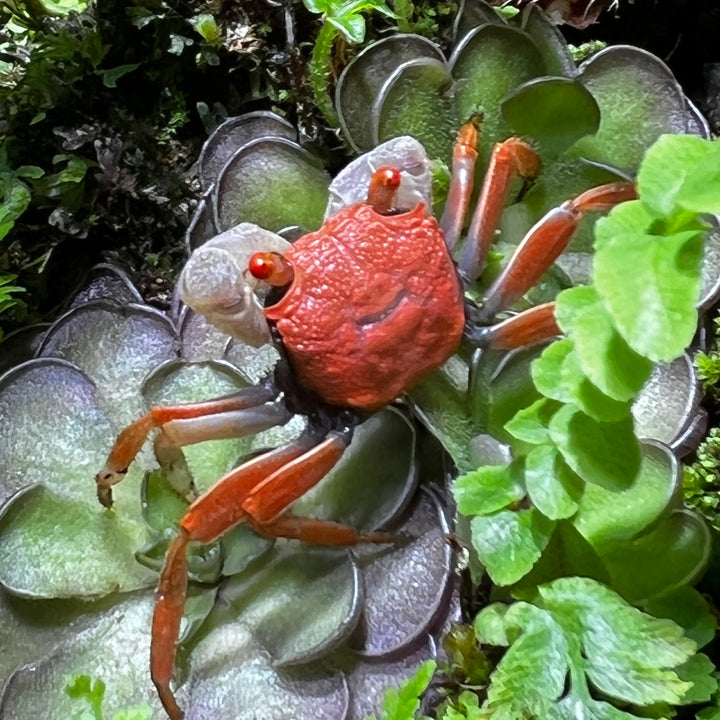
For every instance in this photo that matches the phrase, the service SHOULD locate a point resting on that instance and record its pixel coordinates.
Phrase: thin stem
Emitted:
(320, 69)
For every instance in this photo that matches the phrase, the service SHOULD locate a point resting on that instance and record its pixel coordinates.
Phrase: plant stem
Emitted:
(320, 69)
(403, 10)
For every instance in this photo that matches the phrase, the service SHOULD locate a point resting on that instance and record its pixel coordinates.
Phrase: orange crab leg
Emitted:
(462, 181)
(526, 328)
(509, 158)
(258, 492)
(545, 241)
(276, 493)
(131, 439)
(169, 605)
(318, 532)
(212, 514)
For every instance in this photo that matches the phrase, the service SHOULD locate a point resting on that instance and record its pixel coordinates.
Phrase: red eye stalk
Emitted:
(272, 268)
(383, 188)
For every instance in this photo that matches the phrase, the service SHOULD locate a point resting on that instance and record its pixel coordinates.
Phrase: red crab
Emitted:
(361, 309)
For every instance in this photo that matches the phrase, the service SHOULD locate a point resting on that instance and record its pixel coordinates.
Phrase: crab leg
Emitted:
(462, 180)
(509, 158)
(526, 328)
(130, 440)
(545, 241)
(258, 492)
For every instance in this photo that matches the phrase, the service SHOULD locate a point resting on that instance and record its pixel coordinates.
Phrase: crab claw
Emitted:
(215, 281)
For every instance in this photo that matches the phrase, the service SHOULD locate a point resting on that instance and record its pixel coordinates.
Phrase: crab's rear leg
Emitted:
(258, 492)
(544, 243)
(230, 416)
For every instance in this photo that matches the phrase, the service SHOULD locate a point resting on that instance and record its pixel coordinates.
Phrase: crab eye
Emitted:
(384, 184)
(271, 267)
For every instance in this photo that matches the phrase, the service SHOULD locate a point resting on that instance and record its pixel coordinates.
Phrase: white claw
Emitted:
(216, 283)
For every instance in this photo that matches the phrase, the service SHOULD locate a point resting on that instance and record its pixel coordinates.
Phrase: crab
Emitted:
(361, 310)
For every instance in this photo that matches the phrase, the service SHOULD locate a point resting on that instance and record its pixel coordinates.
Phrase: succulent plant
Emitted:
(355, 622)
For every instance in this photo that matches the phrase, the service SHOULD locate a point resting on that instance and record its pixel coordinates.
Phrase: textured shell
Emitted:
(375, 305)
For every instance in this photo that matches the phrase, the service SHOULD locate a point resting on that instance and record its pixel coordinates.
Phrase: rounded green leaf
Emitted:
(530, 424)
(680, 171)
(673, 554)
(360, 83)
(231, 135)
(547, 371)
(415, 101)
(553, 488)
(653, 307)
(603, 355)
(555, 112)
(397, 611)
(231, 675)
(603, 453)
(272, 183)
(509, 543)
(92, 555)
(40, 395)
(558, 375)
(116, 346)
(609, 517)
(324, 583)
(488, 489)
(111, 644)
(639, 100)
(489, 62)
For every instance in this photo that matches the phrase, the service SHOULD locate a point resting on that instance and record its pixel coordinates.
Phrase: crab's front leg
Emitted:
(258, 492)
(241, 413)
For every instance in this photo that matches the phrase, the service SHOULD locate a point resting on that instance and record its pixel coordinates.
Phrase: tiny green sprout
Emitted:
(92, 691)
(339, 19)
(205, 25)
(584, 51)
(6, 291)
(403, 703)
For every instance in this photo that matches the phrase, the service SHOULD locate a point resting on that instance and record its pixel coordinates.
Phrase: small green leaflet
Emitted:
(83, 687)
(509, 543)
(681, 171)
(604, 356)
(402, 703)
(488, 489)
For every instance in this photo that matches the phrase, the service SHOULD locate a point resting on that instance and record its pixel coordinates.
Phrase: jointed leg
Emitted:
(190, 422)
(461, 181)
(258, 492)
(522, 330)
(545, 241)
(509, 158)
